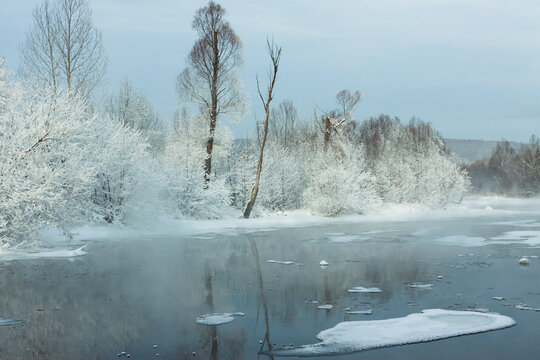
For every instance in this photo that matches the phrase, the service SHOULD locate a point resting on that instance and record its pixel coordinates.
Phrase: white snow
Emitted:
(360, 289)
(280, 262)
(359, 312)
(14, 253)
(217, 318)
(325, 307)
(525, 307)
(420, 286)
(429, 325)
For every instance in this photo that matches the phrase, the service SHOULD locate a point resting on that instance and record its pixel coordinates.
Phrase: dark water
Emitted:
(131, 295)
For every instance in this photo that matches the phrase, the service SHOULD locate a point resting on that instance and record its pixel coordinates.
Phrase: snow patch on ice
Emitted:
(531, 238)
(325, 307)
(37, 253)
(217, 318)
(359, 312)
(360, 289)
(280, 262)
(420, 286)
(429, 325)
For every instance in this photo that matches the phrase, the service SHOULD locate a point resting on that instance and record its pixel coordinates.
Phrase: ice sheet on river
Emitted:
(429, 325)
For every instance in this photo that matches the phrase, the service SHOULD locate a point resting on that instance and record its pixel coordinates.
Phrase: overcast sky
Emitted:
(470, 67)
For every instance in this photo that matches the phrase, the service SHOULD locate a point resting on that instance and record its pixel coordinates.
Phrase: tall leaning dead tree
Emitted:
(210, 79)
(331, 121)
(274, 52)
(63, 49)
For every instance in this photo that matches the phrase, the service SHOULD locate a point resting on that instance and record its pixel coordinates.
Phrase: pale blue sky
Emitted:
(470, 67)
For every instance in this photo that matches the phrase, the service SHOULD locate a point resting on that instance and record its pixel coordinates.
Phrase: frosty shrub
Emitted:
(183, 162)
(339, 183)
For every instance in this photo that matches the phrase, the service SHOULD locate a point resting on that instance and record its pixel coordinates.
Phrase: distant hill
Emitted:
(468, 151)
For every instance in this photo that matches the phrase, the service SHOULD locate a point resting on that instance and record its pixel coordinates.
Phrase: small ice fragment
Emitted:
(325, 307)
(155, 346)
(280, 262)
(534, 256)
(360, 289)
(347, 309)
(359, 312)
(128, 355)
(123, 353)
(440, 277)
(498, 298)
(260, 341)
(524, 261)
(525, 307)
(9, 321)
(314, 301)
(481, 310)
(420, 286)
(217, 318)
(489, 208)
(323, 263)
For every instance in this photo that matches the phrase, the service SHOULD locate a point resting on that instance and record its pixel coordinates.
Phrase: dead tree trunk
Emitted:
(327, 131)
(275, 53)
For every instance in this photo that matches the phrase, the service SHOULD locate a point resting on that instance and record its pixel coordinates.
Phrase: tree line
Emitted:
(67, 160)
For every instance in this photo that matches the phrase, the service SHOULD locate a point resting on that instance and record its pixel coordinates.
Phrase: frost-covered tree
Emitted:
(63, 49)
(339, 182)
(210, 79)
(131, 108)
(47, 163)
(183, 162)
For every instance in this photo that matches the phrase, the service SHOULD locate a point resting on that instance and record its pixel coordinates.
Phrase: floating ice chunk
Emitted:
(498, 298)
(429, 325)
(325, 307)
(359, 312)
(346, 238)
(9, 322)
(280, 262)
(40, 253)
(488, 208)
(360, 289)
(420, 286)
(323, 263)
(525, 307)
(440, 277)
(524, 261)
(314, 301)
(217, 318)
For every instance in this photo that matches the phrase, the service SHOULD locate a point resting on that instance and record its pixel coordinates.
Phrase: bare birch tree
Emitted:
(63, 49)
(274, 52)
(210, 79)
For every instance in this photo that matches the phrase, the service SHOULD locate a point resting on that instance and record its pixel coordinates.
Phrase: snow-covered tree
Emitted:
(47, 161)
(183, 161)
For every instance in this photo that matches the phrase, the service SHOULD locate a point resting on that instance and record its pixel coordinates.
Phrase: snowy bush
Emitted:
(183, 162)
(339, 183)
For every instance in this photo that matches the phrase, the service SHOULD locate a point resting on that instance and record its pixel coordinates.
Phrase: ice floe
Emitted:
(429, 325)
(323, 263)
(525, 307)
(360, 289)
(217, 318)
(11, 254)
(524, 261)
(280, 262)
(359, 312)
(325, 307)
(420, 286)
